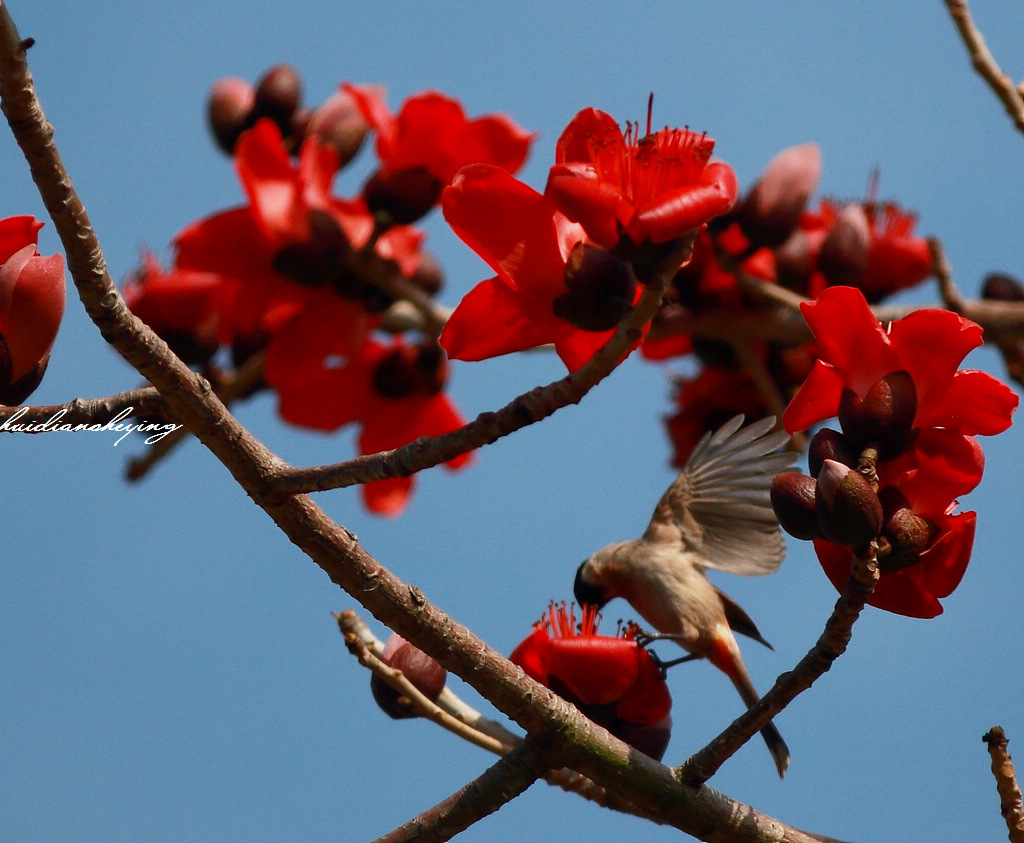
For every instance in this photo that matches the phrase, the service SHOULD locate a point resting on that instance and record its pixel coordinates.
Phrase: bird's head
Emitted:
(588, 587)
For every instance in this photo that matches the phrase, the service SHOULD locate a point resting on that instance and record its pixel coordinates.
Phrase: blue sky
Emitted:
(169, 667)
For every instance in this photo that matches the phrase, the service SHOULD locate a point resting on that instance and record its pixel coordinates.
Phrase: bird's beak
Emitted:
(587, 592)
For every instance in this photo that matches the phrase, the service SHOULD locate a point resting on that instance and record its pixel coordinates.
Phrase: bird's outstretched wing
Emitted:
(719, 505)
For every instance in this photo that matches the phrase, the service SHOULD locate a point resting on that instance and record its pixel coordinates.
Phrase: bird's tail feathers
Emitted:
(776, 745)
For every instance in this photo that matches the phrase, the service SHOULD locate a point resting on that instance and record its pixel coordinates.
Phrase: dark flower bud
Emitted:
(793, 263)
(228, 109)
(601, 289)
(339, 123)
(428, 276)
(884, 416)
(715, 353)
(317, 261)
(793, 499)
(298, 128)
(843, 258)
(419, 668)
(646, 258)
(1000, 287)
(411, 369)
(829, 444)
(402, 196)
(909, 535)
(278, 94)
(13, 394)
(848, 508)
(772, 209)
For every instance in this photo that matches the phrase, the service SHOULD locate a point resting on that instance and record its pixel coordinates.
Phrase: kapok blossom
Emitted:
(856, 351)
(653, 188)
(292, 237)
(883, 257)
(31, 307)
(393, 391)
(426, 144)
(533, 248)
(611, 679)
(910, 413)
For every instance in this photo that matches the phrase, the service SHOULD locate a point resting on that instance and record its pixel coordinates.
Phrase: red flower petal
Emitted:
(648, 701)
(596, 668)
(850, 337)
(592, 135)
(230, 243)
(816, 400)
(577, 348)
(975, 403)
(326, 335)
(271, 184)
(516, 230)
(686, 208)
(931, 345)
(530, 654)
(584, 197)
(31, 306)
(390, 423)
(948, 464)
(494, 319)
(387, 497)
(15, 234)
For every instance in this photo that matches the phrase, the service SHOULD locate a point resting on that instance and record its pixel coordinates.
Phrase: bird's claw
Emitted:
(645, 639)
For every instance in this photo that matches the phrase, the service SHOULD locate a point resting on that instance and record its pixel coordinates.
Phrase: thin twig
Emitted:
(351, 624)
(1011, 805)
(419, 704)
(145, 401)
(487, 428)
(985, 64)
(943, 273)
(245, 378)
(498, 785)
(830, 645)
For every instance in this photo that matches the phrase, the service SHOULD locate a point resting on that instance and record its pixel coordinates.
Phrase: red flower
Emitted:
(392, 391)
(652, 188)
(292, 237)
(426, 144)
(528, 242)
(899, 390)
(705, 402)
(182, 306)
(856, 351)
(612, 680)
(885, 257)
(31, 307)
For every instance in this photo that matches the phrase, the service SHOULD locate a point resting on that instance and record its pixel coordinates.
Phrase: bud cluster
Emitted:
(234, 106)
(841, 501)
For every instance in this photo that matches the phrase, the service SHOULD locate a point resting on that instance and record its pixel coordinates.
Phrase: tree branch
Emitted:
(500, 783)
(487, 428)
(1011, 806)
(145, 401)
(985, 64)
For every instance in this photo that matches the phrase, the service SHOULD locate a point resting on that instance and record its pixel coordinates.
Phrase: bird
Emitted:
(717, 515)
